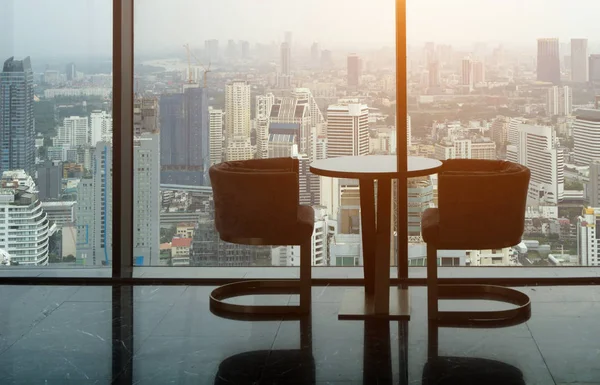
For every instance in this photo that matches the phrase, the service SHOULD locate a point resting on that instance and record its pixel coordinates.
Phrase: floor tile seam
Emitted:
(153, 329)
(541, 354)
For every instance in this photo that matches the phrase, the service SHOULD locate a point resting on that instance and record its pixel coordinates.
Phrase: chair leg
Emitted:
(432, 284)
(305, 277)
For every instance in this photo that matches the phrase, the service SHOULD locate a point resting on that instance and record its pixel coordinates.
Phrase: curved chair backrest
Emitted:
(482, 203)
(255, 198)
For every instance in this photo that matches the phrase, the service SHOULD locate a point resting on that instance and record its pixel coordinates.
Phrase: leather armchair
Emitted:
(257, 203)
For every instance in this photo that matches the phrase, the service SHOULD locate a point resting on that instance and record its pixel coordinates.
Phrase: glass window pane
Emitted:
(56, 130)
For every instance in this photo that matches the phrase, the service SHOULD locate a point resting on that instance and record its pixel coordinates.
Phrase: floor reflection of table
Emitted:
(376, 228)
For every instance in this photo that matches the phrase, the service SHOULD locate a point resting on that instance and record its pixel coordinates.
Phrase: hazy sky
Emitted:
(83, 27)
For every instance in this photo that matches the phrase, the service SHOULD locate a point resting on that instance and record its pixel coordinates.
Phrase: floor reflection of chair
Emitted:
(445, 370)
(257, 203)
(272, 367)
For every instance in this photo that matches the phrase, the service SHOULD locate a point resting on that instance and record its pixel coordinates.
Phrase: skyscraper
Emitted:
(71, 71)
(586, 136)
(536, 149)
(73, 132)
(100, 127)
(347, 129)
(286, 58)
(548, 61)
(579, 60)
(353, 69)
(17, 132)
(467, 73)
(184, 139)
(237, 110)
(478, 72)
(237, 121)
(594, 68)
(216, 135)
(559, 101)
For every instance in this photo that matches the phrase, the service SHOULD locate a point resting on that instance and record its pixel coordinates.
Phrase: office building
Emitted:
(347, 129)
(536, 148)
(17, 132)
(420, 198)
(467, 73)
(353, 69)
(476, 148)
(73, 132)
(434, 74)
(216, 135)
(184, 136)
(100, 127)
(94, 205)
(587, 237)
(594, 68)
(548, 61)
(559, 101)
(286, 59)
(586, 136)
(49, 180)
(292, 116)
(239, 149)
(94, 210)
(237, 111)
(25, 230)
(264, 103)
(592, 187)
(282, 146)
(478, 72)
(305, 96)
(309, 183)
(579, 60)
(71, 72)
(499, 130)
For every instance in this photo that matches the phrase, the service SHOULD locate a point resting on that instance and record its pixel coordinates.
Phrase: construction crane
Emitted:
(189, 62)
(206, 69)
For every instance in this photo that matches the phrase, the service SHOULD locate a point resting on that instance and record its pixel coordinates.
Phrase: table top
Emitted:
(373, 167)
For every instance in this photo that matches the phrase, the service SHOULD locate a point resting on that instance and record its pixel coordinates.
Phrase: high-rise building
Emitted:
(499, 130)
(536, 148)
(594, 68)
(237, 111)
(25, 230)
(420, 198)
(347, 129)
(353, 69)
(559, 101)
(100, 127)
(480, 148)
(94, 192)
(587, 237)
(71, 72)
(478, 72)
(434, 74)
(586, 136)
(281, 145)
(291, 117)
(286, 58)
(73, 132)
(592, 187)
(94, 210)
(184, 147)
(467, 73)
(49, 180)
(264, 103)
(216, 135)
(17, 132)
(579, 60)
(548, 61)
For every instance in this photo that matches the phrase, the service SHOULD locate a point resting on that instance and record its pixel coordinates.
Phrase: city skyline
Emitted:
(358, 26)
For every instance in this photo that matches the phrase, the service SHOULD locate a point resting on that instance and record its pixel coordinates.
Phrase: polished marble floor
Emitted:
(167, 335)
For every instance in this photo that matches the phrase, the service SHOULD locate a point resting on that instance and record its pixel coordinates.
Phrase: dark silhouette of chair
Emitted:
(447, 370)
(481, 206)
(257, 203)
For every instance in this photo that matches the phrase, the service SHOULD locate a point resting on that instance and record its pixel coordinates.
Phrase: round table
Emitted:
(375, 221)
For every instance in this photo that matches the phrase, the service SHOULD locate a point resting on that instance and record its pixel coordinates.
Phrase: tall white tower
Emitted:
(215, 127)
(347, 129)
(237, 111)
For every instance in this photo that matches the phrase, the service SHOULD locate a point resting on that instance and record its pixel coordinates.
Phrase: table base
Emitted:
(356, 306)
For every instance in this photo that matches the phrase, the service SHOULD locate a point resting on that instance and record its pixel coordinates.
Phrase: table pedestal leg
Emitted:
(382, 257)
